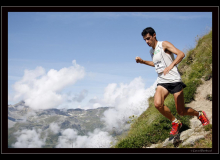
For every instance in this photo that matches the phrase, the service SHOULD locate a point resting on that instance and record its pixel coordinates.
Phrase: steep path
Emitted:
(196, 131)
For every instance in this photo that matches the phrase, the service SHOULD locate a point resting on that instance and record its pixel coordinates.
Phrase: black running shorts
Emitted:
(173, 87)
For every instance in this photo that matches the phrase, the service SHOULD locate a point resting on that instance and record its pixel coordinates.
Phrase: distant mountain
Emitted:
(22, 117)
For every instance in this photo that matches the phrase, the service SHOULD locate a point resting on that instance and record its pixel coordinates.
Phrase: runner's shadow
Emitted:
(183, 128)
(176, 139)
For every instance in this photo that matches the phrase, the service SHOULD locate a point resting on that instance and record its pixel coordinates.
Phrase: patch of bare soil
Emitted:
(202, 102)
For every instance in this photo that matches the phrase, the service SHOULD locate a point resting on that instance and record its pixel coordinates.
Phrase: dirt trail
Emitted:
(201, 103)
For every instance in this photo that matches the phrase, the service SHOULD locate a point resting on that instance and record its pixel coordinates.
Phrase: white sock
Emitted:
(200, 113)
(175, 121)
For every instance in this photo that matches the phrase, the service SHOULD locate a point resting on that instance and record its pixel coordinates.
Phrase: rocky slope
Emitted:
(197, 131)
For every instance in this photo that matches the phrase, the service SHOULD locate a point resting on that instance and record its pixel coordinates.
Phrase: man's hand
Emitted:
(166, 70)
(138, 59)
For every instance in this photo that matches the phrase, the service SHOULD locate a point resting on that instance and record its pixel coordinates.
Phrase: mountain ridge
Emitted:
(22, 117)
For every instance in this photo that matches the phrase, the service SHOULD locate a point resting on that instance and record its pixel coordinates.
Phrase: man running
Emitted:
(169, 79)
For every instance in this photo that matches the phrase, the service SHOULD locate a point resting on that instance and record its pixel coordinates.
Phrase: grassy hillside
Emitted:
(151, 127)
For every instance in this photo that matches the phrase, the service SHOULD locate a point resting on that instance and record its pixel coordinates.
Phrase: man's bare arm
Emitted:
(139, 60)
(180, 55)
(170, 47)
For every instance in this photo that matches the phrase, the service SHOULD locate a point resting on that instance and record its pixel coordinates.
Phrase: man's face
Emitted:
(150, 40)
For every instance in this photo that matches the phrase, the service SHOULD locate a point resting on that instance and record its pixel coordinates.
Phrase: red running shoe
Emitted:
(175, 128)
(203, 118)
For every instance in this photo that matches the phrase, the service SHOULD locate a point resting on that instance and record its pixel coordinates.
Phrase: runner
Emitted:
(169, 79)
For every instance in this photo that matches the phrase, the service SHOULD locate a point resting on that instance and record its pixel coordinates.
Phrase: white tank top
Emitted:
(161, 61)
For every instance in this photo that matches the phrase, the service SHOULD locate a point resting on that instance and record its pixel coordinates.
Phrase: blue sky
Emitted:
(104, 44)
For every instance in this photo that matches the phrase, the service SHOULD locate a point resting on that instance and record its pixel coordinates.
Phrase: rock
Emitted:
(168, 141)
(194, 123)
(175, 141)
(154, 146)
(192, 140)
(186, 134)
(199, 129)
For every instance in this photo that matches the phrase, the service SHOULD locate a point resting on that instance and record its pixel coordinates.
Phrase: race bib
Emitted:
(159, 66)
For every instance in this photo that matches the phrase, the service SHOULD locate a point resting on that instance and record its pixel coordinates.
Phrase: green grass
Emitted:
(151, 127)
(196, 65)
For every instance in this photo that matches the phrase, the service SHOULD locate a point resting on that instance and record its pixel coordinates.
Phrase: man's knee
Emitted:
(158, 104)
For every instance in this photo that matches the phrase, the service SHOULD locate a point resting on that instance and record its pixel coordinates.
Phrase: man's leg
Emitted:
(159, 97)
(180, 107)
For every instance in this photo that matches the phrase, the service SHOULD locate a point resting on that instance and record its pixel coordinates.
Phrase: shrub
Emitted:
(190, 90)
(208, 127)
(209, 97)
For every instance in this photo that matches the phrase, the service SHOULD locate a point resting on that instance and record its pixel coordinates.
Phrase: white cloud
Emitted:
(126, 100)
(29, 139)
(99, 139)
(54, 128)
(95, 139)
(20, 107)
(41, 90)
(67, 138)
(96, 105)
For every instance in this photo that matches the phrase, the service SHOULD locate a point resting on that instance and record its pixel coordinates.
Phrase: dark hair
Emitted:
(147, 30)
